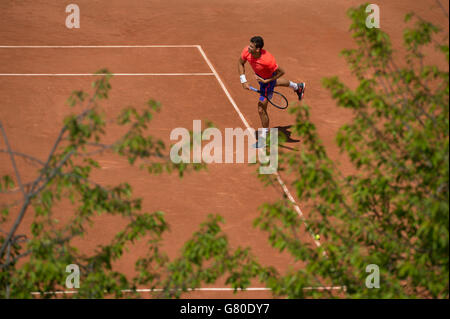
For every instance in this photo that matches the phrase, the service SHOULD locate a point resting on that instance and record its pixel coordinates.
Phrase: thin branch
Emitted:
(99, 151)
(12, 204)
(8, 255)
(442, 7)
(54, 172)
(16, 171)
(29, 157)
(33, 192)
(5, 265)
(28, 198)
(14, 190)
(26, 253)
(55, 145)
(425, 21)
(419, 106)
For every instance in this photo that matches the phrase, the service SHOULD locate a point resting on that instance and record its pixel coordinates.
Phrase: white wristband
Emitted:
(243, 79)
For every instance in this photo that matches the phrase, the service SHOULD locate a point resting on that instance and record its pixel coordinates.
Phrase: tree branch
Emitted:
(33, 192)
(442, 7)
(29, 157)
(16, 171)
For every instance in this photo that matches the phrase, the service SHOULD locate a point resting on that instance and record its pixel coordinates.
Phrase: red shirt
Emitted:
(264, 66)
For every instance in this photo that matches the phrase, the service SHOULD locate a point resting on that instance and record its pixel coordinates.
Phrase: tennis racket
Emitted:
(277, 99)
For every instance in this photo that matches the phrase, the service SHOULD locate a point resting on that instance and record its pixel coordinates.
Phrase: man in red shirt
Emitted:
(268, 74)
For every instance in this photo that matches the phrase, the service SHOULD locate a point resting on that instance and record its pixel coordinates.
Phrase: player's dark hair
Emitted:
(258, 41)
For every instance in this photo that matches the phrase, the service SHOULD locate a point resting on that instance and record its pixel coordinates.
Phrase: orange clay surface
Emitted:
(305, 37)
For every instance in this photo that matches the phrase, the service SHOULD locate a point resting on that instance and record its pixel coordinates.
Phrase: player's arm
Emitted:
(278, 74)
(241, 69)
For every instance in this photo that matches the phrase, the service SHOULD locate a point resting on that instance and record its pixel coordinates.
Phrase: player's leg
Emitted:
(265, 89)
(262, 111)
(298, 88)
(283, 82)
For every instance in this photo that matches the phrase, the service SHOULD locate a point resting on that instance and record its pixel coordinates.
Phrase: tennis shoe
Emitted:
(261, 143)
(301, 90)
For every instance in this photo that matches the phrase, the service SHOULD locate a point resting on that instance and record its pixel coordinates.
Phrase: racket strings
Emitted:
(278, 99)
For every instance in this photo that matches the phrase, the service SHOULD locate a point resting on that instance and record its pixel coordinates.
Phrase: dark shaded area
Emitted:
(287, 133)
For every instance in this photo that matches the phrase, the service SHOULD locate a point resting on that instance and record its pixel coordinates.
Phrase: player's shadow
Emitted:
(286, 136)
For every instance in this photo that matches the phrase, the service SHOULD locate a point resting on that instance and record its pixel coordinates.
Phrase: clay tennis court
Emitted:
(183, 54)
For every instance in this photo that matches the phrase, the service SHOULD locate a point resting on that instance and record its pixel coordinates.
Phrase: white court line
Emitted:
(115, 74)
(280, 181)
(297, 208)
(100, 47)
(94, 46)
(223, 87)
(68, 292)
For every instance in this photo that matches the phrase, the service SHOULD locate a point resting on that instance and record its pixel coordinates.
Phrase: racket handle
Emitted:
(253, 89)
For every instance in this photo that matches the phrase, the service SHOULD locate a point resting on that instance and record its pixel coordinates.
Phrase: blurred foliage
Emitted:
(393, 209)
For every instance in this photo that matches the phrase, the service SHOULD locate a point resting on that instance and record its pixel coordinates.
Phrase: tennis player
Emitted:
(268, 74)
